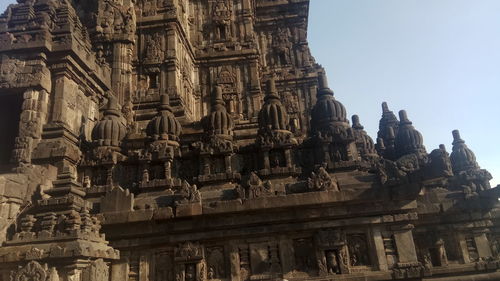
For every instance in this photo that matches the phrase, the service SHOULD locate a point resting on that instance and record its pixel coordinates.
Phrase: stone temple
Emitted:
(192, 140)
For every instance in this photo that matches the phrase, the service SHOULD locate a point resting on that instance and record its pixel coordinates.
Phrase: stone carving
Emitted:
(188, 251)
(116, 18)
(257, 188)
(190, 193)
(192, 119)
(322, 181)
(440, 164)
(358, 250)
(222, 10)
(331, 238)
(153, 46)
(98, 270)
(34, 271)
(282, 46)
(332, 262)
(215, 263)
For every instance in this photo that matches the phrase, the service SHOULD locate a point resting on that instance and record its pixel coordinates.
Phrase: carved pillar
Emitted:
(286, 255)
(121, 76)
(227, 162)
(32, 119)
(255, 91)
(66, 122)
(234, 261)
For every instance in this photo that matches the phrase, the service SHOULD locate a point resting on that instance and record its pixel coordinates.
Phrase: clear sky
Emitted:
(438, 59)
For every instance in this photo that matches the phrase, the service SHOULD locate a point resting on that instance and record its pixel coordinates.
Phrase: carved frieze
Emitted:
(188, 251)
(34, 271)
(322, 181)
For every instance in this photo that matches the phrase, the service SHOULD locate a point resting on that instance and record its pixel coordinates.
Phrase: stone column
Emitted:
(482, 244)
(234, 261)
(227, 161)
(121, 77)
(462, 244)
(144, 267)
(286, 255)
(378, 243)
(119, 270)
(404, 244)
(32, 119)
(288, 158)
(255, 93)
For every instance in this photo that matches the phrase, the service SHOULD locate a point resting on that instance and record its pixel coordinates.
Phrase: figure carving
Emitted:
(222, 19)
(257, 188)
(153, 48)
(332, 262)
(322, 181)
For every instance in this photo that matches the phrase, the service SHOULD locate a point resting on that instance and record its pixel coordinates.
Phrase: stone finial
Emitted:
(385, 107)
(110, 130)
(271, 92)
(218, 103)
(273, 114)
(408, 139)
(164, 126)
(219, 121)
(112, 107)
(323, 81)
(355, 122)
(165, 103)
(218, 94)
(390, 133)
(271, 85)
(456, 137)
(403, 117)
(323, 85)
(462, 157)
(380, 143)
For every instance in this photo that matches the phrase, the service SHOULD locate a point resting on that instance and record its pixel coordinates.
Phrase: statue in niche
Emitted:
(129, 114)
(190, 274)
(145, 175)
(282, 46)
(358, 250)
(332, 262)
(116, 18)
(149, 7)
(86, 182)
(143, 82)
(153, 47)
(215, 263)
(226, 79)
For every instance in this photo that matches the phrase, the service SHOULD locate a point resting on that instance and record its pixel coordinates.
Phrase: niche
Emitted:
(10, 111)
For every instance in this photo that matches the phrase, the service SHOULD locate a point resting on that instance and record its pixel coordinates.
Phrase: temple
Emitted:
(193, 140)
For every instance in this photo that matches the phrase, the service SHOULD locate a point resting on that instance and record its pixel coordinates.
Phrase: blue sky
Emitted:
(438, 59)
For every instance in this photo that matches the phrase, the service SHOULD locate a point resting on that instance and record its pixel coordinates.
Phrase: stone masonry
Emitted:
(193, 140)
